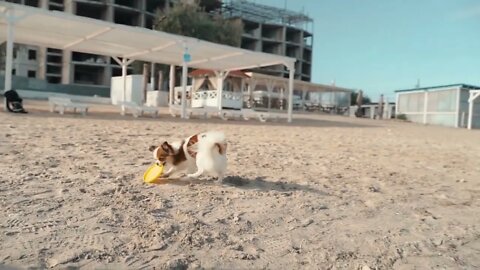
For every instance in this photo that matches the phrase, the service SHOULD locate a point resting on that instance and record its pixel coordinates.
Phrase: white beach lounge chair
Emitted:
(204, 112)
(138, 110)
(249, 113)
(63, 103)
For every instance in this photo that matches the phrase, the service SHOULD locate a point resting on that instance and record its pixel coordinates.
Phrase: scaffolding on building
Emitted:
(265, 14)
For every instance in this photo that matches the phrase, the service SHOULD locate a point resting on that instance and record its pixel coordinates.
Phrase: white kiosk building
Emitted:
(455, 105)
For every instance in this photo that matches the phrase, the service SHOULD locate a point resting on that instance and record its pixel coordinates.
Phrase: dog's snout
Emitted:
(151, 148)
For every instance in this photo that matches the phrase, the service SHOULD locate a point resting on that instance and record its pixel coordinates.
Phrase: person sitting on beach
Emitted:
(14, 101)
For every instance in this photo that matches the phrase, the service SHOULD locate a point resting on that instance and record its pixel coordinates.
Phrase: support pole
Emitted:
(458, 122)
(220, 77)
(124, 79)
(291, 68)
(171, 84)
(425, 108)
(470, 111)
(184, 89)
(397, 104)
(9, 54)
(471, 101)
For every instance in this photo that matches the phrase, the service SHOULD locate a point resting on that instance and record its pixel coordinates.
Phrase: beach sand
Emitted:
(325, 192)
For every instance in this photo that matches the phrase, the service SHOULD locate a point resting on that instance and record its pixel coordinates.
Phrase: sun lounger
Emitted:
(205, 112)
(63, 103)
(249, 113)
(138, 110)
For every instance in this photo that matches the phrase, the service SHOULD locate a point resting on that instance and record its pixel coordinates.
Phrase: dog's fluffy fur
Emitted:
(200, 154)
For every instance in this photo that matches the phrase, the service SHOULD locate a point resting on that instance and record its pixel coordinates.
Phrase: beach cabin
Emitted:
(455, 105)
(203, 91)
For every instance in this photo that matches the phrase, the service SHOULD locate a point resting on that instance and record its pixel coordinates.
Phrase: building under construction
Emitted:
(67, 67)
(277, 31)
(267, 29)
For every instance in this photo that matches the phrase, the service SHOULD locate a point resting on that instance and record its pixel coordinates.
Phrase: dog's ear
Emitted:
(151, 148)
(167, 148)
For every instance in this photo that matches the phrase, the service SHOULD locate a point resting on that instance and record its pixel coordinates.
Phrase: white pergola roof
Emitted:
(298, 84)
(65, 31)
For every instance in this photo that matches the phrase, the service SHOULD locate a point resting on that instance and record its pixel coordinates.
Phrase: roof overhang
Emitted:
(60, 30)
(298, 84)
(205, 72)
(439, 88)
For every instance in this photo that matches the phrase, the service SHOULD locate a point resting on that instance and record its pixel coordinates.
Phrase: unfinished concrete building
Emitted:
(267, 29)
(67, 67)
(277, 31)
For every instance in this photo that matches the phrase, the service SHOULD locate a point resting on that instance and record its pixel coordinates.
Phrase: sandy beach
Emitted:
(326, 192)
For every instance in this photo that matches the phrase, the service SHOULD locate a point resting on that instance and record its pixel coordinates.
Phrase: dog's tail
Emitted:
(214, 141)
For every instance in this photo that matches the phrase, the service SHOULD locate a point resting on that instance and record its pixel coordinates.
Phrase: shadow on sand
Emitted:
(258, 184)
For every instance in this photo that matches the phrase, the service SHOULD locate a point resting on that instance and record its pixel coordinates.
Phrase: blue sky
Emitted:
(383, 45)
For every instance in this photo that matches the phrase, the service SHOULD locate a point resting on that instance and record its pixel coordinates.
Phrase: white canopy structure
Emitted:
(34, 26)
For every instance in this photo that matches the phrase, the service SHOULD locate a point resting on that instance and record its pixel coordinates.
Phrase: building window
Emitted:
(32, 74)
(32, 55)
(14, 71)
(33, 3)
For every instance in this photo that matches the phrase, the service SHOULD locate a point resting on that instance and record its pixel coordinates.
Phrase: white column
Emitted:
(387, 109)
(471, 101)
(425, 108)
(397, 103)
(184, 89)
(457, 111)
(470, 110)
(172, 84)
(9, 59)
(290, 91)
(124, 78)
(220, 78)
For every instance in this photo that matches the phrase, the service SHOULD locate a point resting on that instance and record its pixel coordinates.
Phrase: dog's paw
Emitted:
(218, 179)
(190, 176)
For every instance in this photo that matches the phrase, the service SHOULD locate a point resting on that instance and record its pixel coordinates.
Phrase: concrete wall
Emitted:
(35, 85)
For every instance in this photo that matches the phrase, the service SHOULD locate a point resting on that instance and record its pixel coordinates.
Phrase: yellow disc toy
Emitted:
(153, 173)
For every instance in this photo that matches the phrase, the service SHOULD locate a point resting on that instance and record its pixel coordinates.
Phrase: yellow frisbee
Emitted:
(153, 173)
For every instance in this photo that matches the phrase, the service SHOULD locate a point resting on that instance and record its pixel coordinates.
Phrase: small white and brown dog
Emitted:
(199, 154)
